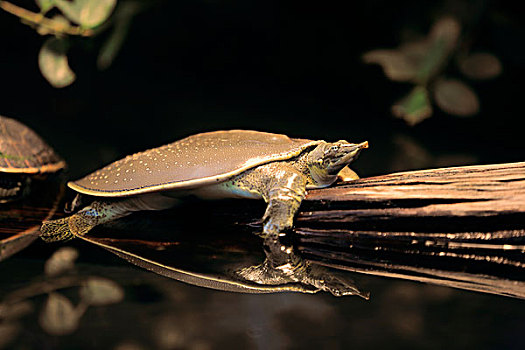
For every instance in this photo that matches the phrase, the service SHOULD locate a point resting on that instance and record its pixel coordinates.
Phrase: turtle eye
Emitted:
(334, 148)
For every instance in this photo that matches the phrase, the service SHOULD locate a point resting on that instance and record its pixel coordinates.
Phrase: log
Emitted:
(461, 226)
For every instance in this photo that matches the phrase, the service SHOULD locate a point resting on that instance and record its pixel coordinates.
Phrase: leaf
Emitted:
(123, 16)
(446, 29)
(455, 97)
(45, 5)
(53, 63)
(415, 107)
(442, 40)
(61, 261)
(395, 64)
(59, 317)
(8, 333)
(480, 65)
(419, 60)
(87, 13)
(100, 291)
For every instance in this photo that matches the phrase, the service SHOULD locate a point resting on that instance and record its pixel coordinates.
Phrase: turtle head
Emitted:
(328, 159)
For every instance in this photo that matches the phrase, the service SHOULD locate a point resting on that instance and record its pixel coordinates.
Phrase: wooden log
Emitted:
(461, 226)
(459, 191)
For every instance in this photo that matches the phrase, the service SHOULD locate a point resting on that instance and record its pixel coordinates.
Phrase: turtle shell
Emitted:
(194, 161)
(23, 151)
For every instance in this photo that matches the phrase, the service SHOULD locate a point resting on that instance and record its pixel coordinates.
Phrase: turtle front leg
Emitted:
(100, 212)
(283, 188)
(284, 193)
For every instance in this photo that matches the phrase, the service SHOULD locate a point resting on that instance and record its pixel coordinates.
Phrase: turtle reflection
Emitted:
(211, 255)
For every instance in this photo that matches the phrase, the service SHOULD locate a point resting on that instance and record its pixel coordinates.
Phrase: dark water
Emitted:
(196, 66)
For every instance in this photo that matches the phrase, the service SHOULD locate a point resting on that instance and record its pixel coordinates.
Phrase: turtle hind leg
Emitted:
(100, 212)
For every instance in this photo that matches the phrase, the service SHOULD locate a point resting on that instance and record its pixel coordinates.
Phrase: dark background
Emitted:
(286, 67)
(290, 67)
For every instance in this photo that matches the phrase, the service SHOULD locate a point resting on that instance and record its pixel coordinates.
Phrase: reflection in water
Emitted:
(20, 220)
(168, 243)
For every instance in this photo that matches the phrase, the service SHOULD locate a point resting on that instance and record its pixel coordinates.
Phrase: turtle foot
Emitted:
(56, 230)
(320, 278)
(65, 228)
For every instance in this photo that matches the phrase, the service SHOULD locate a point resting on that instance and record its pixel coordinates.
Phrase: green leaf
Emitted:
(442, 40)
(53, 63)
(455, 97)
(61, 261)
(87, 13)
(100, 291)
(59, 317)
(480, 65)
(415, 107)
(45, 5)
(122, 18)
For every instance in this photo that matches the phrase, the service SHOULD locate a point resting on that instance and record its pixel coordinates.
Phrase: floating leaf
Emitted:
(100, 291)
(87, 13)
(415, 107)
(45, 5)
(395, 64)
(61, 261)
(8, 333)
(53, 63)
(455, 97)
(59, 317)
(480, 66)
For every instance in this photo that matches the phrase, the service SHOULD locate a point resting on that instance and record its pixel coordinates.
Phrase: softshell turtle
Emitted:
(23, 154)
(220, 164)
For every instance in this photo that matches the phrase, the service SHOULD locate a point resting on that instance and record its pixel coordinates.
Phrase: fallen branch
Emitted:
(462, 226)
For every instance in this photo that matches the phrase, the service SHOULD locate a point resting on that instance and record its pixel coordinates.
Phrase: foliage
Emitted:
(66, 21)
(422, 63)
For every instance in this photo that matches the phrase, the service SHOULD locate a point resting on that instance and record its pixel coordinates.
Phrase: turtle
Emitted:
(23, 155)
(220, 164)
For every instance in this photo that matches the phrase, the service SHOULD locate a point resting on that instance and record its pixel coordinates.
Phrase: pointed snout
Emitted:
(353, 147)
(352, 150)
(363, 145)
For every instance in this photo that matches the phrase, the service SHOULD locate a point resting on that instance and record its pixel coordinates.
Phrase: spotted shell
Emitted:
(194, 161)
(23, 151)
